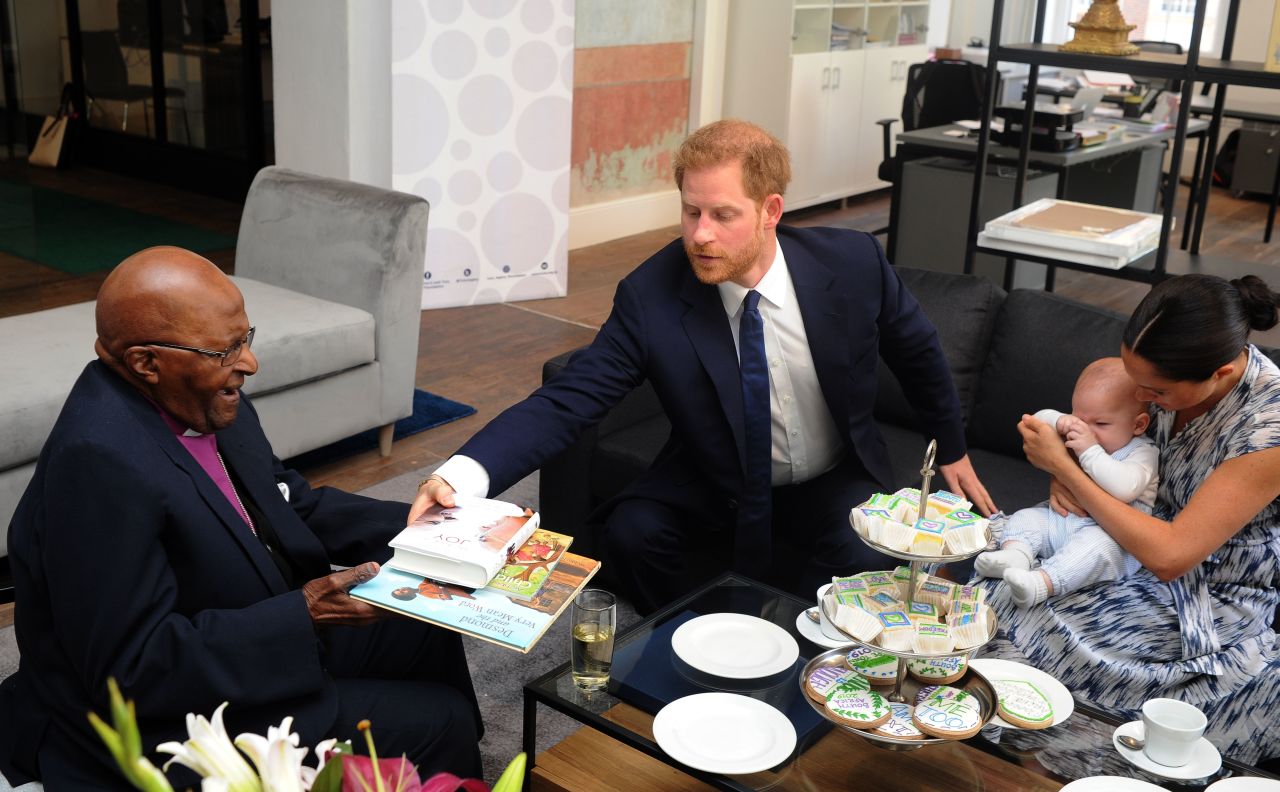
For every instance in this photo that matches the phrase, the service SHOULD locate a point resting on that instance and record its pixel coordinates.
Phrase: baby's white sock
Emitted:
(1027, 588)
(992, 564)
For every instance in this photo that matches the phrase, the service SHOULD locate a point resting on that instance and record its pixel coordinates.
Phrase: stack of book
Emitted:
(482, 568)
(1099, 236)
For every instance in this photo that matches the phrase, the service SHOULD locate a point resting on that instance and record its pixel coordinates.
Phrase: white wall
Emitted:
(332, 87)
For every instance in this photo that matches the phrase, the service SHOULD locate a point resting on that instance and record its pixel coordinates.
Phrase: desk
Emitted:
(618, 751)
(1144, 147)
(1259, 112)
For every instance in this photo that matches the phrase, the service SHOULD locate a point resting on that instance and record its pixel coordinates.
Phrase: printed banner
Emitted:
(481, 111)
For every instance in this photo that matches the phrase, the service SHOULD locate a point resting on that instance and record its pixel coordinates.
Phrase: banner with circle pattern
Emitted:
(481, 112)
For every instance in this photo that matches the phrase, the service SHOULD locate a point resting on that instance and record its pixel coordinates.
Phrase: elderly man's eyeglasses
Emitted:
(228, 356)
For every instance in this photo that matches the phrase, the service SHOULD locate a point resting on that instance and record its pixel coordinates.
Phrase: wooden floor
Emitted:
(491, 356)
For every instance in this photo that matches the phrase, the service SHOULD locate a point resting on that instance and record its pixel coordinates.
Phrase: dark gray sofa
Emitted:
(1009, 354)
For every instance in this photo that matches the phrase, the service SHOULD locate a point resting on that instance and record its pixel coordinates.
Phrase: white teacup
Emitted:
(828, 629)
(1172, 729)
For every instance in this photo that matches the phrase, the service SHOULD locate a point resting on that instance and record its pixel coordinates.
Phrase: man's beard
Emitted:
(725, 268)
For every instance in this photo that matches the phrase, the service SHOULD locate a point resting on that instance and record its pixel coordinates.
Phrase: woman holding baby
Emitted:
(1195, 623)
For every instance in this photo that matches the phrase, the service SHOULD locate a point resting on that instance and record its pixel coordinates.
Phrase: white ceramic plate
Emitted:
(724, 733)
(1055, 691)
(1244, 784)
(735, 646)
(810, 630)
(1205, 759)
(1109, 784)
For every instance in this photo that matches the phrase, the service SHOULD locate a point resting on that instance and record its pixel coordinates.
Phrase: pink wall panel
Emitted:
(630, 111)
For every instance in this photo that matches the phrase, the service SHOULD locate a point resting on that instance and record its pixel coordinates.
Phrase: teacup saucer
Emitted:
(810, 630)
(1205, 759)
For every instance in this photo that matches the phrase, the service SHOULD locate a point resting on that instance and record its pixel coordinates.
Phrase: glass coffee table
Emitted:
(621, 753)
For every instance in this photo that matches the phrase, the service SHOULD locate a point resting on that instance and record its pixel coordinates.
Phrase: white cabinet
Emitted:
(822, 88)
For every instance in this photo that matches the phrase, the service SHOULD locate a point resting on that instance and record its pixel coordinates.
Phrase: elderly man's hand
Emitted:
(963, 480)
(431, 491)
(329, 603)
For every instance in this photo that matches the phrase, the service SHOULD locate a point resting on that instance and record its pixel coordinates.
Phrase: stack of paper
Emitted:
(1099, 236)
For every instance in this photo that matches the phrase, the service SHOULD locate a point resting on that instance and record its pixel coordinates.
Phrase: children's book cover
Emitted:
(483, 613)
(531, 564)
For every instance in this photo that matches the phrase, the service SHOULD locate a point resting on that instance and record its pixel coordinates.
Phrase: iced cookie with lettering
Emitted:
(899, 724)
(949, 713)
(825, 681)
(862, 709)
(878, 667)
(1022, 704)
(938, 670)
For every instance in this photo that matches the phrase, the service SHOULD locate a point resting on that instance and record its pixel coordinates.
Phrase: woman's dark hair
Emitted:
(1189, 326)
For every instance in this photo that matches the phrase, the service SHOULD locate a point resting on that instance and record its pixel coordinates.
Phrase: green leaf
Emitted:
(512, 779)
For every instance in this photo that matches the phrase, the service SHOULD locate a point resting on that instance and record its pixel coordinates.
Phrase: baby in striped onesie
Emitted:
(1106, 431)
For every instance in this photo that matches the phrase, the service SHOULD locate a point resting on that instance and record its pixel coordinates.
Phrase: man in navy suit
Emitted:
(762, 343)
(161, 543)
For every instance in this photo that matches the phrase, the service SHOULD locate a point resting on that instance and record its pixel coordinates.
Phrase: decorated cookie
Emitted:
(1022, 704)
(825, 681)
(878, 667)
(899, 724)
(938, 670)
(862, 709)
(948, 713)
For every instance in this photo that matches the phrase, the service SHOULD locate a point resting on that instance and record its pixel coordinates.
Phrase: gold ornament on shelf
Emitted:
(1101, 31)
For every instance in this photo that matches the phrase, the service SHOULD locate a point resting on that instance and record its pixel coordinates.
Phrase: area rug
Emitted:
(77, 235)
(429, 411)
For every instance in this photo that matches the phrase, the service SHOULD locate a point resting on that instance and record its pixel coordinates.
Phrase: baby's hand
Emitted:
(1080, 437)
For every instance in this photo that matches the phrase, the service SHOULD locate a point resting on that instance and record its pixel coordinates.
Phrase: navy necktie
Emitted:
(752, 545)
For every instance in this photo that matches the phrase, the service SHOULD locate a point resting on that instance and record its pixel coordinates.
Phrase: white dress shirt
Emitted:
(806, 443)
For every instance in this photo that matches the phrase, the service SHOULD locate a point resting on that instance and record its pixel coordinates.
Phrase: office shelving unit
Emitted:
(1188, 68)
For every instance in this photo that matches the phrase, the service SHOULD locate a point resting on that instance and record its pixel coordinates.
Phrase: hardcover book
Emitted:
(1078, 256)
(530, 565)
(465, 544)
(1087, 228)
(482, 613)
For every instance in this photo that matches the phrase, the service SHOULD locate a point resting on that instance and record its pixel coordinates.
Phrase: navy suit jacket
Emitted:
(671, 329)
(130, 563)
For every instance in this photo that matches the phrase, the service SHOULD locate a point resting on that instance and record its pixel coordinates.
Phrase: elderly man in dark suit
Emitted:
(161, 543)
(762, 343)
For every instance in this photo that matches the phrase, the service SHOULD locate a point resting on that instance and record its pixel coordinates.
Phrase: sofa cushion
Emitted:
(1041, 344)
(622, 455)
(1012, 482)
(42, 355)
(301, 338)
(964, 310)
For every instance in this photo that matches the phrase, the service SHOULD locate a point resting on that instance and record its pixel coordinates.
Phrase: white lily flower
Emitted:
(277, 757)
(209, 752)
(322, 749)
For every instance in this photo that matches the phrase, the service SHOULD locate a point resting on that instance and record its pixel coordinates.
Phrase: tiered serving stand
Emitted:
(904, 687)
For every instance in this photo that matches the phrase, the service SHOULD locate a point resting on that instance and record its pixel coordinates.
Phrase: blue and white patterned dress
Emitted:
(1205, 638)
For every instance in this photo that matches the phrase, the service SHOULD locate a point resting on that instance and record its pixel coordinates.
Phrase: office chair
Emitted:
(938, 92)
(107, 77)
(1168, 47)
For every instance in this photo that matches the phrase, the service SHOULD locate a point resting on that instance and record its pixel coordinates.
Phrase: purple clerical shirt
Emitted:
(204, 449)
